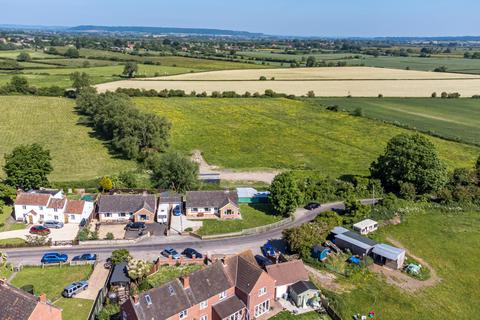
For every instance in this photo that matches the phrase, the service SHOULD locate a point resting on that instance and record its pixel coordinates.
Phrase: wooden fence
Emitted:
(100, 299)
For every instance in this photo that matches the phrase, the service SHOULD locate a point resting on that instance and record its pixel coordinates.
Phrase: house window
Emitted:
(204, 317)
(236, 316)
(55, 209)
(143, 217)
(262, 291)
(108, 215)
(41, 208)
(203, 304)
(228, 212)
(24, 207)
(262, 308)
(72, 217)
(222, 295)
(183, 314)
(55, 218)
(206, 209)
(194, 209)
(41, 217)
(123, 214)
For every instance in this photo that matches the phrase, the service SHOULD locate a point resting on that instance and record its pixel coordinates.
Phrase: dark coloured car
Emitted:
(135, 226)
(54, 257)
(312, 206)
(190, 252)
(85, 257)
(167, 252)
(41, 230)
(268, 250)
(71, 290)
(262, 261)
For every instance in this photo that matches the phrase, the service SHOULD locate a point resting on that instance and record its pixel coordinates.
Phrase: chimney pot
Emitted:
(42, 297)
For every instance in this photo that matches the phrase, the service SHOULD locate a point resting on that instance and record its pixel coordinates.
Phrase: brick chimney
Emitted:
(135, 299)
(42, 298)
(185, 282)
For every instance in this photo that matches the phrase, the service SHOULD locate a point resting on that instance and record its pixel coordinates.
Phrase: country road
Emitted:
(150, 248)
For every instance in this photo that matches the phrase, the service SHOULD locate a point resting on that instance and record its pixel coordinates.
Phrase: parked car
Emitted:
(83, 223)
(108, 264)
(262, 261)
(85, 257)
(167, 252)
(74, 288)
(177, 211)
(41, 230)
(268, 250)
(312, 206)
(54, 257)
(190, 252)
(135, 226)
(53, 224)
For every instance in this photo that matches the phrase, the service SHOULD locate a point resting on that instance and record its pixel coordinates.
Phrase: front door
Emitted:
(30, 219)
(65, 218)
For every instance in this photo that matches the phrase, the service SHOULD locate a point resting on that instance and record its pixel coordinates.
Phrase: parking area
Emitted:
(95, 282)
(118, 231)
(155, 229)
(67, 233)
(180, 223)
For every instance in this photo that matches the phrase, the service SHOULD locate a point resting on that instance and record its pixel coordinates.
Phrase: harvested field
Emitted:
(325, 82)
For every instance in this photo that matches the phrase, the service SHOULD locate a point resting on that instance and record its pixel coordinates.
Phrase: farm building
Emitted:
(320, 252)
(251, 195)
(389, 256)
(338, 230)
(354, 242)
(302, 292)
(365, 226)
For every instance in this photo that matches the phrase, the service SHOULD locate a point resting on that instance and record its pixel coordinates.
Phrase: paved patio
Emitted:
(180, 223)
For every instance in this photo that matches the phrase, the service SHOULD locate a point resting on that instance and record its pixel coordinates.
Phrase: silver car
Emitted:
(53, 224)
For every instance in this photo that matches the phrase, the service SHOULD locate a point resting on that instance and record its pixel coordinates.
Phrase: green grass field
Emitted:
(285, 315)
(449, 243)
(168, 273)
(449, 118)
(75, 309)
(52, 122)
(254, 215)
(247, 134)
(7, 224)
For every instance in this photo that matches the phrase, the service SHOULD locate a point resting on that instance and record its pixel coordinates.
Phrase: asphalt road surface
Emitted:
(150, 249)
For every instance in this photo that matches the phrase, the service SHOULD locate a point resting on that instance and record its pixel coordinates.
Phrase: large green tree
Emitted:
(130, 69)
(28, 166)
(172, 170)
(410, 158)
(80, 81)
(72, 53)
(285, 195)
(23, 57)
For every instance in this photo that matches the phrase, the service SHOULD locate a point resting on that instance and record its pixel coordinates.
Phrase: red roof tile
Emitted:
(75, 206)
(56, 203)
(288, 272)
(32, 199)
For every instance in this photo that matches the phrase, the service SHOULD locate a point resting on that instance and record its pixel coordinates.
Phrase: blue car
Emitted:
(85, 257)
(54, 257)
(268, 250)
(177, 211)
(167, 252)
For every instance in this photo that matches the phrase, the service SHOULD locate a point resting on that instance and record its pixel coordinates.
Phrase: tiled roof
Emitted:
(32, 199)
(243, 274)
(126, 203)
(228, 307)
(302, 286)
(287, 272)
(216, 199)
(170, 197)
(209, 282)
(75, 206)
(56, 203)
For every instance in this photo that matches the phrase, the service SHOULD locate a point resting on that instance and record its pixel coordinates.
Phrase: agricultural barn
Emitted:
(354, 242)
(389, 256)
(365, 226)
(251, 195)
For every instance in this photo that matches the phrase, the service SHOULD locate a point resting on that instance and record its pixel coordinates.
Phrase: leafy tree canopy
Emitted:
(285, 195)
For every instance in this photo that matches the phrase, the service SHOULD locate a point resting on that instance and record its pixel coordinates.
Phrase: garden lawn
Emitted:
(6, 223)
(168, 273)
(449, 242)
(450, 118)
(285, 315)
(253, 133)
(253, 215)
(51, 280)
(53, 123)
(74, 308)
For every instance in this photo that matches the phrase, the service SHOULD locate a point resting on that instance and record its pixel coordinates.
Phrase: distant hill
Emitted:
(165, 30)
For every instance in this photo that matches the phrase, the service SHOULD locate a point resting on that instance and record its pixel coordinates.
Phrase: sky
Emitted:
(333, 18)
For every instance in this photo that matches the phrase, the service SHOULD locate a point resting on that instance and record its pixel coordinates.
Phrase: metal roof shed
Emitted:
(251, 195)
(355, 243)
(388, 255)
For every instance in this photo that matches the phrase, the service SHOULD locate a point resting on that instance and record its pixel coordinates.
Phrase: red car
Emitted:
(41, 230)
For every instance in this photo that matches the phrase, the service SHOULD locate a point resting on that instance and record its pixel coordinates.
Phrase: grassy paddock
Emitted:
(450, 118)
(449, 243)
(253, 215)
(247, 134)
(52, 122)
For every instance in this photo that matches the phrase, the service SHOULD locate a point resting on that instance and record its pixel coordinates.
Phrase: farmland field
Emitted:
(449, 118)
(425, 235)
(325, 82)
(282, 133)
(53, 123)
